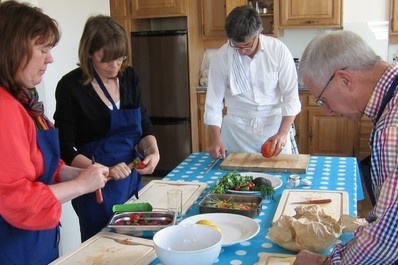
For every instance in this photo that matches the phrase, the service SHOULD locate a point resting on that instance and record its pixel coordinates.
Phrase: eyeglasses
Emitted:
(121, 59)
(232, 45)
(118, 60)
(320, 102)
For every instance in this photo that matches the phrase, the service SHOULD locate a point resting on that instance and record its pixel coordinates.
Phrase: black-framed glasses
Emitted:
(320, 102)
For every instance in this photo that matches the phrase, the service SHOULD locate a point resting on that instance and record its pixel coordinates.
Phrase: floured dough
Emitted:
(311, 228)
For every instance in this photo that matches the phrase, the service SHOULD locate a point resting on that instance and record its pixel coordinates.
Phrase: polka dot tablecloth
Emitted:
(324, 172)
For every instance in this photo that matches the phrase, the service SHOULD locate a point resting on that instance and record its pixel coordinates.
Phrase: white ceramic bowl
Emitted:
(184, 243)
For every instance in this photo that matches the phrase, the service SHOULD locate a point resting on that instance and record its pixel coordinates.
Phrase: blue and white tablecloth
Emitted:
(325, 173)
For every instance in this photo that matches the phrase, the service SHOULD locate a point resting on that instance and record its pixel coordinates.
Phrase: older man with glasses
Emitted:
(361, 83)
(255, 77)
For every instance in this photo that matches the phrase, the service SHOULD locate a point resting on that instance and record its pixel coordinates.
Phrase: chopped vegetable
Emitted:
(231, 204)
(235, 181)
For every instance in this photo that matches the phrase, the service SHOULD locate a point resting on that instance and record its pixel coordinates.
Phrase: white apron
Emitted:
(248, 134)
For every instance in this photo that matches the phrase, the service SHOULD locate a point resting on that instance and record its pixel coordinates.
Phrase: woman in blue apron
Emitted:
(99, 115)
(30, 203)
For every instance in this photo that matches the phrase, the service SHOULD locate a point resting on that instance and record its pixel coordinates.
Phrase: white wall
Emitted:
(370, 22)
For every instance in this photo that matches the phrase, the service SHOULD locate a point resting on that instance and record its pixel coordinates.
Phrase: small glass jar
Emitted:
(293, 181)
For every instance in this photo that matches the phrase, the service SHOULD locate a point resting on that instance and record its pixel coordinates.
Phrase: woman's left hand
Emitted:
(151, 161)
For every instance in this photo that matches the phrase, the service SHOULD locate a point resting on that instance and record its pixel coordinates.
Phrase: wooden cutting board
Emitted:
(155, 193)
(108, 248)
(290, 198)
(256, 162)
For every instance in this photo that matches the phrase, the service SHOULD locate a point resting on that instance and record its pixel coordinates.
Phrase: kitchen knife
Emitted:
(128, 242)
(320, 201)
(215, 161)
(98, 193)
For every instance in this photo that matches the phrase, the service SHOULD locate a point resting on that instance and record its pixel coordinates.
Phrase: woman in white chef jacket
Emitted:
(255, 77)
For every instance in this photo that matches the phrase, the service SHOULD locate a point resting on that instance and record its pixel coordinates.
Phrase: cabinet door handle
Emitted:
(309, 22)
(310, 134)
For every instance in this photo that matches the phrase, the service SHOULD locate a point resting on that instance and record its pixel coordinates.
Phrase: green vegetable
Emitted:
(133, 207)
(235, 181)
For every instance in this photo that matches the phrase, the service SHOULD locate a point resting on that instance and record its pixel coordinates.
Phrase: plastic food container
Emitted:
(247, 205)
(146, 224)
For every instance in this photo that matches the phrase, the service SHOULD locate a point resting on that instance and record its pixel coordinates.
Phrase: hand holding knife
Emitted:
(98, 193)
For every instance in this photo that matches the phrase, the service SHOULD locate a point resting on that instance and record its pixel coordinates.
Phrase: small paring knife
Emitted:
(215, 161)
(98, 193)
(320, 201)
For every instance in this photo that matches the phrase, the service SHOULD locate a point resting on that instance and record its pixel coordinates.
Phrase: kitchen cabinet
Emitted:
(204, 138)
(365, 128)
(120, 12)
(214, 14)
(321, 134)
(158, 8)
(393, 32)
(310, 13)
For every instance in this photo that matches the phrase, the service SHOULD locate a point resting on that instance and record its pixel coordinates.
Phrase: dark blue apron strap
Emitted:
(103, 88)
(365, 164)
(387, 98)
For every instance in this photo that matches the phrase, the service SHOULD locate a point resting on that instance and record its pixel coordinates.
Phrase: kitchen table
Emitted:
(325, 173)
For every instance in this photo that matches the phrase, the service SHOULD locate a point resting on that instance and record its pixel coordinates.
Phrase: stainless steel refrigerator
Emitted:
(161, 61)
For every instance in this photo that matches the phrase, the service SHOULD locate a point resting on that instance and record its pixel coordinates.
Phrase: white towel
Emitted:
(238, 80)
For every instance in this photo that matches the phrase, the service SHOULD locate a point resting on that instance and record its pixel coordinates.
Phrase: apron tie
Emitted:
(257, 126)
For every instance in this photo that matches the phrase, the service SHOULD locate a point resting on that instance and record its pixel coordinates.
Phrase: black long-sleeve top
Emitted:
(81, 116)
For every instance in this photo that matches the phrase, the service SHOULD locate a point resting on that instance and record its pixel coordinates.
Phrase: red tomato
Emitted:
(266, 149)
(134, 217)
(137, 163)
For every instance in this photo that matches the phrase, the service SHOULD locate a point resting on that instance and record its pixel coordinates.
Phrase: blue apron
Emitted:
(117, 146)
(33, 247)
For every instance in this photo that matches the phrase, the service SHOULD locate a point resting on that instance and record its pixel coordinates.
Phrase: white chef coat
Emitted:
(255, 115)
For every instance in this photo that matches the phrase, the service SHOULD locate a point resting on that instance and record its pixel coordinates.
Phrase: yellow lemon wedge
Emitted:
(204, 222)
(208, 223)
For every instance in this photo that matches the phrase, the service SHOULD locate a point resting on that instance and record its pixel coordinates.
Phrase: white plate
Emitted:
(234, 228)
(275, 182)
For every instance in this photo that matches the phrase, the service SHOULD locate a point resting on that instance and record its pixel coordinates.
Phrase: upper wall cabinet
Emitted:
(214, 13)
(393, 38)
(213, 19)
(310, 13)
(121, 13)
(158, 8)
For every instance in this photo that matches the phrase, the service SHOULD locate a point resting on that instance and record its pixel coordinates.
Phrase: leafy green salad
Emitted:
(237, 182)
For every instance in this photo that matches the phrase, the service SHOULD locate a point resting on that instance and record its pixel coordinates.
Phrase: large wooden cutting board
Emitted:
(155, 193)
(256, 162)
(106, 248)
